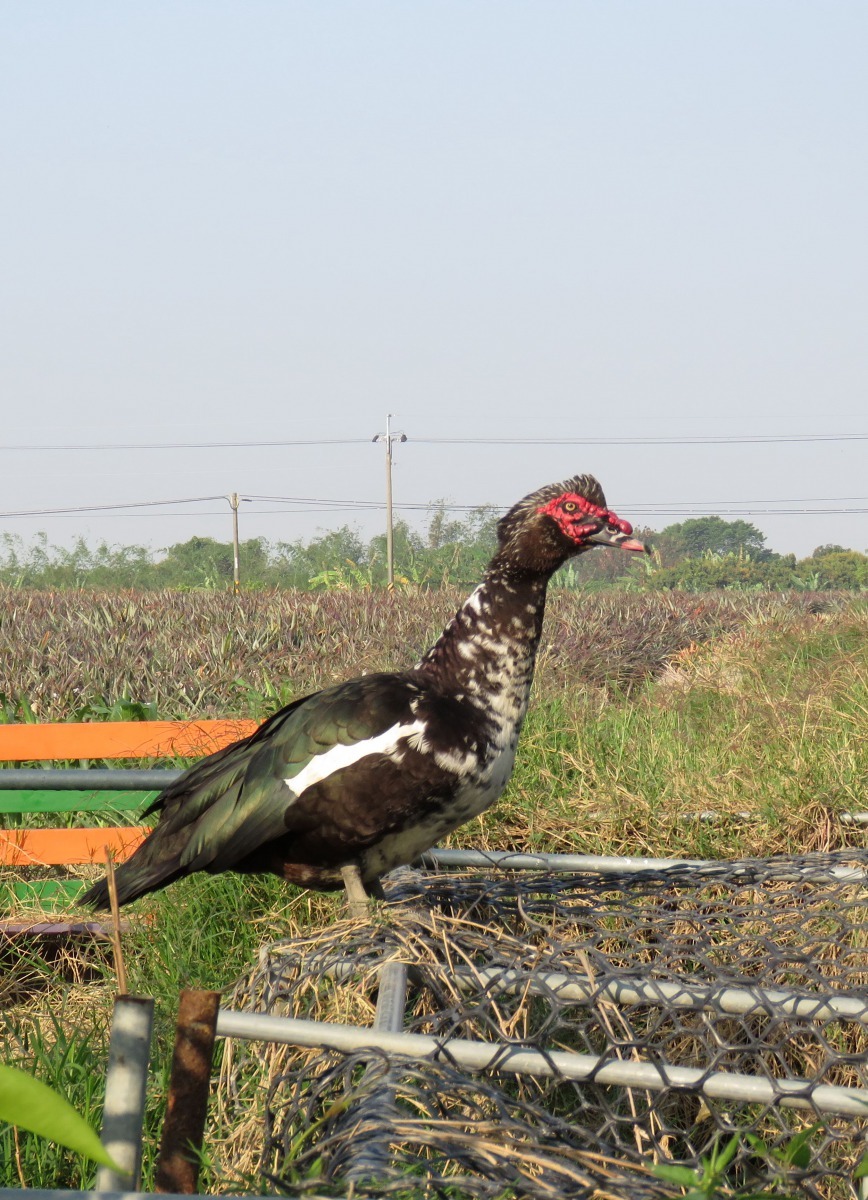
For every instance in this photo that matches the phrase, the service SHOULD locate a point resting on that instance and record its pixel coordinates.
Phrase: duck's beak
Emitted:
(621, 541)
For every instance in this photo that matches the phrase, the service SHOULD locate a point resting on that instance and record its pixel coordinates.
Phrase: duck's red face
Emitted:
(587, 524)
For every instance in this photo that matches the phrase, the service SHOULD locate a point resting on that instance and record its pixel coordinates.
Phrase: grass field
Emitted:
(648, 711)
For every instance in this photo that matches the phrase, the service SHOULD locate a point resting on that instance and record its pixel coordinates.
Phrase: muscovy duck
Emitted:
(344, 785)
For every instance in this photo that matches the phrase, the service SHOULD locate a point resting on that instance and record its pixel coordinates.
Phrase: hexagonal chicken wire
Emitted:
(626, 1019)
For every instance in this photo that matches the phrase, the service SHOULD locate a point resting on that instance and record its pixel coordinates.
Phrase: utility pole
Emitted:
(388, 437)
(236, 572)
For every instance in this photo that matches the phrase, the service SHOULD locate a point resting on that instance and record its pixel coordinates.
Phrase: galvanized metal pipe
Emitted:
(612, 864)
(374, 1113)
(135, 779)
(391, 997)
(821, 1006)
(520, 861)
(809, 1006)
(482, 1056)
(61, 779)
(126, 1079)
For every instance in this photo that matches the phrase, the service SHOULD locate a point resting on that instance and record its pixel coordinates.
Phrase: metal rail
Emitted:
(614, 864)
(61, 779)
(515, 860)
(822, 1006)
(133, 779)
(517, 1060)
(724, 998)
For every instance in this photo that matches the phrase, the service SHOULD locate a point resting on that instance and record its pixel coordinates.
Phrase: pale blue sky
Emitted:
(273, 221)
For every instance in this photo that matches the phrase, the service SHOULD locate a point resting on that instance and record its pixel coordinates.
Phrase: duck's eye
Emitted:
(569, 506)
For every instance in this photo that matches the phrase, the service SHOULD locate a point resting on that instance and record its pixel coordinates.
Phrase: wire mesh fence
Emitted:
(626, 1021)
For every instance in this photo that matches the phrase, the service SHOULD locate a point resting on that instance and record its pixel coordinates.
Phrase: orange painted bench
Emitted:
(23, 847)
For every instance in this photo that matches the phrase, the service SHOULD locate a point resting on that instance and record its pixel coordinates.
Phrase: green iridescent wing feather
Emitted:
(234, 816)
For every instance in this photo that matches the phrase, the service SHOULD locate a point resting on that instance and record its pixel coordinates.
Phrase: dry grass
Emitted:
(774, 932)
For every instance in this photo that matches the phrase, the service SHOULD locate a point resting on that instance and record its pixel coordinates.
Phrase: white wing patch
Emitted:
(338, 757)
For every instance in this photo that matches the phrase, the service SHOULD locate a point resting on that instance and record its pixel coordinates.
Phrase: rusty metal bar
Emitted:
(186, 1110)
(42, 928)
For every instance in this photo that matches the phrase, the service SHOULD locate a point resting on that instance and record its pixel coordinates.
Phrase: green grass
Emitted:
(765, 715)
(772, 726)
(203, 933)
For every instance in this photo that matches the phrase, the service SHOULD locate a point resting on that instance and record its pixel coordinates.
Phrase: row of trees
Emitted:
(696, 555)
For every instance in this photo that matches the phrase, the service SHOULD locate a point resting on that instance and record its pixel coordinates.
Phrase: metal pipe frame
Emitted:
(49, 779)
(822, 1006)
(156, 778)
(723, 998)
(516, 1060)
(373, 1113)
(125, 1085)
(611, 864)
(517, 860)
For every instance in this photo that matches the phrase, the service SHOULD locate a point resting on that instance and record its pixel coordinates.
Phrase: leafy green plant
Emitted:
(344, 576)
(16, 709)
(124, 709)
(709, 1181)
(795, 1153)
(703, 1182)
(33, 1105)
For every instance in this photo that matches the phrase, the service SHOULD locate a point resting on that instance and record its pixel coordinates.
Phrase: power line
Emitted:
(647, 508)
(680, 440)
(784, 500)
(654, 504)
(89, 508)
(740, 508)
(190, 445)
(673, 508)
(722, 440)
(378, 504)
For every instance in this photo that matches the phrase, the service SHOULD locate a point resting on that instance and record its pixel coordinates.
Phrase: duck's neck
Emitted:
(487, 651)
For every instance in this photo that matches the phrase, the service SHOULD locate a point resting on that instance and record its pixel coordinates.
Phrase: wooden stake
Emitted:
(116, 924)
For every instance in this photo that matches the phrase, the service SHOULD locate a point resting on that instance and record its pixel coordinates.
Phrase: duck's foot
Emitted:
(356, 894)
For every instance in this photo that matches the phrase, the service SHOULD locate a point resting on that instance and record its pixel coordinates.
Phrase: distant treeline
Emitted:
(695, 555)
